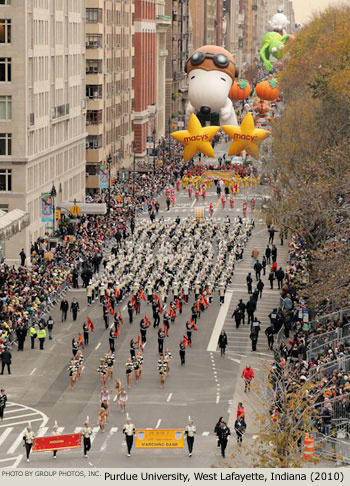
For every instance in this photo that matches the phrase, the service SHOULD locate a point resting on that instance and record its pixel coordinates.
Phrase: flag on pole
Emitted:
(116, 291)
(90, 324)
(203, 300)
(139, 342)
(198, 307)
(80, 340)
(147, 320)
(117, 330)
(185, 341)
(142, 295)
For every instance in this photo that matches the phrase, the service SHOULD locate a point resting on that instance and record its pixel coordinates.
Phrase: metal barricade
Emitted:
(327, 369)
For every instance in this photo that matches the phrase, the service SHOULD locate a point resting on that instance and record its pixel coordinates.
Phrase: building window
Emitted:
(5, 69)
(5, 107)
(93, 15)
(5, 2)
(94, 142)
(5, 144)
(5, 179)
(5, 31)
(93, 169)
(93, 117)
(93, 41)
(93, 66)
(94, 91)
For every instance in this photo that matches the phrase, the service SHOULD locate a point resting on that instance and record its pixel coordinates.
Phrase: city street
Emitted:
(203, 389)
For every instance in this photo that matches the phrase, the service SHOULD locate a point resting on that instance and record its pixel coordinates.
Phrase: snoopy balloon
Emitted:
(211, 72)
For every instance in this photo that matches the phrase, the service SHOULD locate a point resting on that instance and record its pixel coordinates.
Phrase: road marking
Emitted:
(94, 432)
(20, 416)
(15, 410)
(108, 438)
(219, 323)
(83, 309)
(42, 431)
(99, 344)
(169, 397)
(4, 435)
(218, 399)
(124, 307)
(22, 422)
(16, 443)
(194, 202)
(32, 372)
(158, 423)
(235, 360)
(205, 433)
(52, 347)
(78, 429)
(9, 459)
(115, 398)
(254, 437)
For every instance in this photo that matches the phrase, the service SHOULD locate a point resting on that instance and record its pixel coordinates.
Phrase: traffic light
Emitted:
(58, 214)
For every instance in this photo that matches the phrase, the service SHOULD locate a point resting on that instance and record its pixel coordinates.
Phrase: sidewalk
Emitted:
(239, 344)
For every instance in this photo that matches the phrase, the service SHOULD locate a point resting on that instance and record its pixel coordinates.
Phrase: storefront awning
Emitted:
(12, 222)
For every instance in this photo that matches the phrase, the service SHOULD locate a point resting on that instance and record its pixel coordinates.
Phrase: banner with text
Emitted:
(57, 442)
(159, 438)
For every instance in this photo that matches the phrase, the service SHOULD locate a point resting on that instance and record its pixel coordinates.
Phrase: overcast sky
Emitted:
(304, 8)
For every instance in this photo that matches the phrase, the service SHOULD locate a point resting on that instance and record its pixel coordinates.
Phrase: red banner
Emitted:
(56, 442)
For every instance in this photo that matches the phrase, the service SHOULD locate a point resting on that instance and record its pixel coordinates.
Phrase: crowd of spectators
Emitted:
(28, 292)
(327, 369)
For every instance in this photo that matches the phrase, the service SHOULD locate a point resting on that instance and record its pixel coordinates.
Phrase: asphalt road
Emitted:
(203, 389)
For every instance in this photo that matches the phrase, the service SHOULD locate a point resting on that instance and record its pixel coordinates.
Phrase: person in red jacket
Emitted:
(240, 411)
(247, 375)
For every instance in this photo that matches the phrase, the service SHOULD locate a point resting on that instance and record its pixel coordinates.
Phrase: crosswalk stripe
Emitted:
(16, 443)
(22, 422)
(107, 439)
(205, 433)
(78, 429)
(21, 416)
(42, 431)
(94, 433)
(4, 435)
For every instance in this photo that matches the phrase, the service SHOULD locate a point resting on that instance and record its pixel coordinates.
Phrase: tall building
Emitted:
(109, 42)
(204, 21)
(42, 110)
(179, 46)
(150, 24)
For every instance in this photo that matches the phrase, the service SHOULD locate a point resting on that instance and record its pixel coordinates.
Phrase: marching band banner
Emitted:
(56, 442)
(159, 438)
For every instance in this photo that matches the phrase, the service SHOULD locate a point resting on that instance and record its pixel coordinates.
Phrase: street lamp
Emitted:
(53, 194)
(169, 126)
(133, 172)
(154, 151)
(109, 161)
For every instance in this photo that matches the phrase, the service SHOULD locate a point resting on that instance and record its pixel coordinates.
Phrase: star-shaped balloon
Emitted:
(246, 137)
(196, 138)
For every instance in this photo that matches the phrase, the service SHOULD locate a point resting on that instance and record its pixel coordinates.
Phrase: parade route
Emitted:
(202, 389)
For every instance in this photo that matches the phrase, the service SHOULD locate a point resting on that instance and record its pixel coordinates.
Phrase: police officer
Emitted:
(74, 307)
(28, 438)
(32, 334)
(86, 433)
(64, 308)
(129, 431)
(50, 326)
(3, 400)
(41, 337)
(190, 430)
